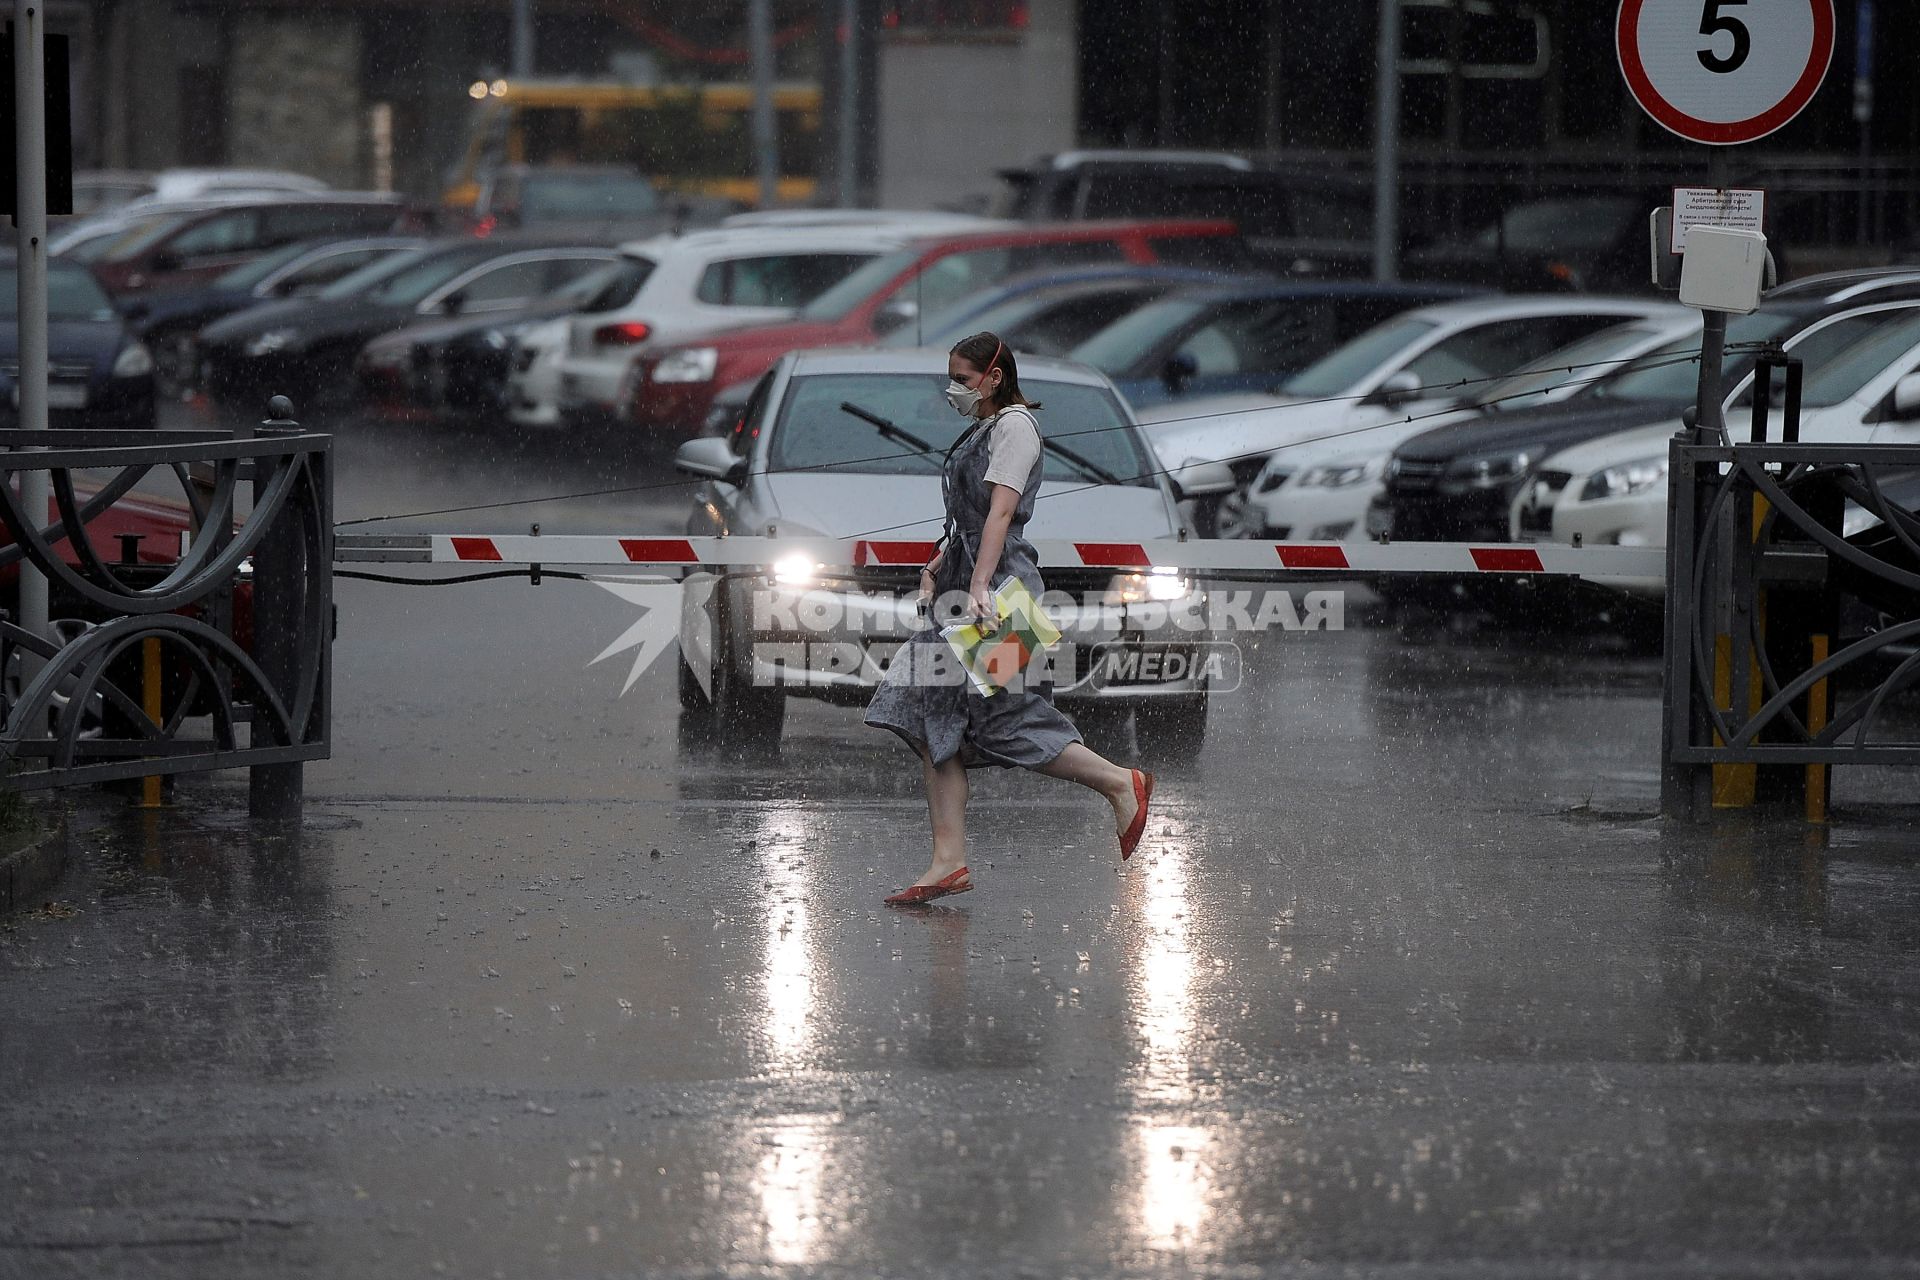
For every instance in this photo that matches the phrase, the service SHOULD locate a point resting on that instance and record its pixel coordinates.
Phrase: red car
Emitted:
(670, 388)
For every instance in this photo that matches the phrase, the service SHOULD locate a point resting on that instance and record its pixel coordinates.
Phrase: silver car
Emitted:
(849, 444)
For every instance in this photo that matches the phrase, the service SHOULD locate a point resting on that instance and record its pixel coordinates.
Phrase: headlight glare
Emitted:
(1626, 479)
(133, 362)
(689, 364)
(795, 569)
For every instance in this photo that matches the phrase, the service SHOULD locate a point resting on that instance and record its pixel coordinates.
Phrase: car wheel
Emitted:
(746, 716)
(1171, 730)
(1230, 515)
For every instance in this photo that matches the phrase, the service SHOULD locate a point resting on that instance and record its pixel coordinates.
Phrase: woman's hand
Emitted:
(980, 600)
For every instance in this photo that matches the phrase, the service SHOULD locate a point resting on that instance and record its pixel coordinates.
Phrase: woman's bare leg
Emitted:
(947, 806)
(1080, 763)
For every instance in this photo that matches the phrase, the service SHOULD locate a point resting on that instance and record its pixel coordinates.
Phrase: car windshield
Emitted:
(836, 302)
(415, 278)
(1339, 371)
(357, 282)
(556, 197)
(814, 433)
(72, 294)
(131, 240)
(1122, 345)
(605, 288)
(1573, 362)
(249, 274)
(1842, 357)
(1671, 373)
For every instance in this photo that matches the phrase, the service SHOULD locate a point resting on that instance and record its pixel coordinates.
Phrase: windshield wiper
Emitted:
(1091, 470)
(1088, 468)
(886, 428)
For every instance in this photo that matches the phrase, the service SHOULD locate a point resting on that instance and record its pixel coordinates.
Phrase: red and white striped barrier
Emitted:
(1204, 557)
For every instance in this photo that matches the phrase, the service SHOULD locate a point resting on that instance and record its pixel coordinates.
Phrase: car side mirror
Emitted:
(1400, 386)
(1179, 369)
(1904, 403)
(894, 315)
(710, 458)
(1202, 479)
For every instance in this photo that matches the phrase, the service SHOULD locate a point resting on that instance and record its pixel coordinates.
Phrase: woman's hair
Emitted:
(980, 350)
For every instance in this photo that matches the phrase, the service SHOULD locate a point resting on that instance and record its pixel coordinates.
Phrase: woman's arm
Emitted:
(993, 540)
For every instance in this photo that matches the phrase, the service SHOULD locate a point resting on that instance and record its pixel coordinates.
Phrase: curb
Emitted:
(26, 874)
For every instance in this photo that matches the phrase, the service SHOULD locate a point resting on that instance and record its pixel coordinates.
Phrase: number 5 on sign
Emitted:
(1724, 71)
(1712, 21)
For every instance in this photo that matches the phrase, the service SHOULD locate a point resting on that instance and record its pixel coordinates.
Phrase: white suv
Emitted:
(707, 280)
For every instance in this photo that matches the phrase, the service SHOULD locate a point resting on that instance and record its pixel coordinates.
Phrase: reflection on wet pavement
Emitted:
(1404, 982)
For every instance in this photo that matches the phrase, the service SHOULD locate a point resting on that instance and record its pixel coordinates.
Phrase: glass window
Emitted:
(1844, 356)
(130, 240)
(1056, 327)
(72, 294)
(1124, 346)
(1340, 370)
(376, 273)
(505, 285)
(1223, 253)
(248, 274)
(413, 280)
(1263, 336)
(325, 269)
(775, 280)
(1488, 350)
(233, 232)
(1572, 361)
(836, 302)
(1672, 373)
(308, 221)
(815, 433)
(610, 287)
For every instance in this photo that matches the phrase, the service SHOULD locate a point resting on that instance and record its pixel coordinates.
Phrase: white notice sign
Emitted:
(1737, 208)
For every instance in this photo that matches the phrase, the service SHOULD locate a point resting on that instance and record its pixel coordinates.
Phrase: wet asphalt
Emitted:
(1406, 980)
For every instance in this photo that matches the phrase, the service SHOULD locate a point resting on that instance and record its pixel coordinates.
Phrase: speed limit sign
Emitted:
(1724, 71)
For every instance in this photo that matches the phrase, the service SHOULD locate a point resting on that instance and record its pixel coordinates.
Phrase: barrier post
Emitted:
(275, 791)
(1685, 787)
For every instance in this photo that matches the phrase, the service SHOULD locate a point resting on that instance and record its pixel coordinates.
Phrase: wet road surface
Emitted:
(1405, 981)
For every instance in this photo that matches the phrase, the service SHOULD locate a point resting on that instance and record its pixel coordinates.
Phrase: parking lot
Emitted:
(1406, 979)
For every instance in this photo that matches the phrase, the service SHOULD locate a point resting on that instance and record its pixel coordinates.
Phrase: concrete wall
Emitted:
(293, 95)
(952, 111)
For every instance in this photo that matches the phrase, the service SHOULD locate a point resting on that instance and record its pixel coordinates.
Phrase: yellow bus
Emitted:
(691, 138)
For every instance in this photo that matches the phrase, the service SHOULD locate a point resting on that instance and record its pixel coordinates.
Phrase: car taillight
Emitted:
(628, 334)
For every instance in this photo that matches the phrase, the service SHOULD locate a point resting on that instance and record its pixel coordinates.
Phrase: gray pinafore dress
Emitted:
(948, 717)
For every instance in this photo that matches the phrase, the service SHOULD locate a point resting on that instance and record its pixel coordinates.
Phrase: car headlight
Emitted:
(1340, 475)
(689, 364)
(1489, 470)
(133, 362)
(1271, 478)
(795, 570)
(265, 344)
(1159, 583)
(1628, 478)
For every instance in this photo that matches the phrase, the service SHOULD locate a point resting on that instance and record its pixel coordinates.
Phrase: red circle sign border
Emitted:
(1627, 47)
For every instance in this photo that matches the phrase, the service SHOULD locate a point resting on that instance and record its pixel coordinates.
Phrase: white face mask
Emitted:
(964, 399)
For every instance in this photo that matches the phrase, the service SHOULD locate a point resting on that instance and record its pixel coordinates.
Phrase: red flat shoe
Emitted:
(921, 894)
(1142, 791)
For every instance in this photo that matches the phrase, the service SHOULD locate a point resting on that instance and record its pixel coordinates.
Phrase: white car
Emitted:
(801, 463)
(1412, 365)
(710, 280)
(1320, 492)
(533, 383)
(1861, 385)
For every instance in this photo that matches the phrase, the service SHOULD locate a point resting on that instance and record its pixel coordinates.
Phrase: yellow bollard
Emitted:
(150, 703)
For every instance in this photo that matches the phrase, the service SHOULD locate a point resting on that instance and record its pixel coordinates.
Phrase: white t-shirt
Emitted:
(1013, 446)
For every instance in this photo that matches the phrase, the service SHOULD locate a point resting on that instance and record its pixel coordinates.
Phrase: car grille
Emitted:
(1416, 474)
(1536, 513)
